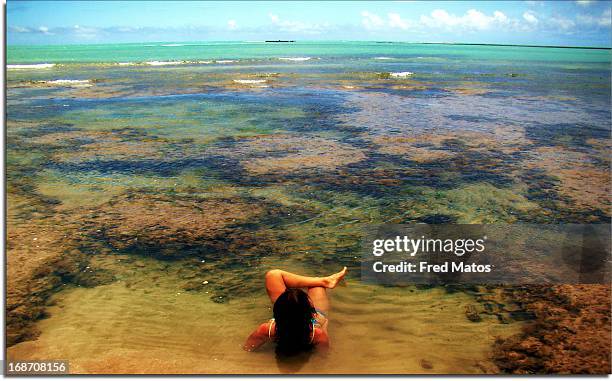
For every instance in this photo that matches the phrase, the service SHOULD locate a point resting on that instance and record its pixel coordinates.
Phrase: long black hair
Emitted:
(293, 313)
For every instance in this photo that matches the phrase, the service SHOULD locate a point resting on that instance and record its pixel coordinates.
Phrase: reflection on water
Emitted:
(172, 190)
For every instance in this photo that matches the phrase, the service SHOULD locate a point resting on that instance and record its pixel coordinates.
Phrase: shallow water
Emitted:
(146, 323)
(172, 176)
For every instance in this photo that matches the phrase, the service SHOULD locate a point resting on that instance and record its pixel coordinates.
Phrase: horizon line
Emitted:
(324, 41)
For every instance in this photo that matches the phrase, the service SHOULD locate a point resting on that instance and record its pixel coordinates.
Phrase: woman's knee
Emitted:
(273, 274)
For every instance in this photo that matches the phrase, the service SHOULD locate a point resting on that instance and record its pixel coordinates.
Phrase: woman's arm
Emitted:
(322, 339)
(257, 338)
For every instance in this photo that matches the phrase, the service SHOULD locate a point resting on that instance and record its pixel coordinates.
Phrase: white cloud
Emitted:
(439, 17)
(476, 20)
(231, 24)
(584, 3)
(126, 29)
(297, 26)
(531, 18)
(44, 30)
(472, 19)
(371, 20)
(561, 22)
(19, 29)
(605, 20)
(85, 32)
(500, 16)
(396, 21)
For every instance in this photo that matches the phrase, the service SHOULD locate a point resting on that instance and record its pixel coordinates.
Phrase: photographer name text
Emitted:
(426, 267)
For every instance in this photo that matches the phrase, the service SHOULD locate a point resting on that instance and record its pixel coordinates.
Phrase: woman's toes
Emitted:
(334, 279)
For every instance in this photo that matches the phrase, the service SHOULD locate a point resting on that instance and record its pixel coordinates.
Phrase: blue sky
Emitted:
(581, 22)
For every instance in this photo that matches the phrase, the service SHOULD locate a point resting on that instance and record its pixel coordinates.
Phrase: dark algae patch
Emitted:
(569, 332)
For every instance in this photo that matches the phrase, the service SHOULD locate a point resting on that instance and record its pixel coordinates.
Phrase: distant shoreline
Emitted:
(518, 45)
(330, 41)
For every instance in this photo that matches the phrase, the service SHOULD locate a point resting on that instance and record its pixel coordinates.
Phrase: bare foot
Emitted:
(332, 280)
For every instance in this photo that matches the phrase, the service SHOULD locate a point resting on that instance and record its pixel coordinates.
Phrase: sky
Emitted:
(566, 23)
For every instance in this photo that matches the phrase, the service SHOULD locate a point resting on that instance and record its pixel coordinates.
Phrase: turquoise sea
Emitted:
(163, 51)
(155, 183)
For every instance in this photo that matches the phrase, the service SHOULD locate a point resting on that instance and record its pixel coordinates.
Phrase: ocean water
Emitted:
(178, 174)
(347, 50)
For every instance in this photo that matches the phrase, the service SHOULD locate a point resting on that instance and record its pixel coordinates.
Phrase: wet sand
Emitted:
(144, 323)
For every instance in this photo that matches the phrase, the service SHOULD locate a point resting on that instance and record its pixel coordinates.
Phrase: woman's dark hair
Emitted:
(293, 312)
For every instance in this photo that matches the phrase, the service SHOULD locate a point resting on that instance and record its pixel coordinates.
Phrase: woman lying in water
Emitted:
(300, 321)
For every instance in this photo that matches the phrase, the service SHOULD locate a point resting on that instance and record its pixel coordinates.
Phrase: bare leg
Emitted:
(277, 281)
(318, 296)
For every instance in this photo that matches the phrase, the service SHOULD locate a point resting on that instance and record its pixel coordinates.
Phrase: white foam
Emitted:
(172, 45)
(224, 61)
(294, 58)
(402, 74)
(70, 82)
(249, 81)
(164, 63)
(383, 58)
(31, 66)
